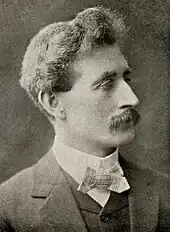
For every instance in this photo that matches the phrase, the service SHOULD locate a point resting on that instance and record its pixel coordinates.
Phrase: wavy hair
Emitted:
(46, 61)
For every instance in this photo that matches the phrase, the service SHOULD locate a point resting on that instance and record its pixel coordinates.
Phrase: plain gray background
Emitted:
(25, 134)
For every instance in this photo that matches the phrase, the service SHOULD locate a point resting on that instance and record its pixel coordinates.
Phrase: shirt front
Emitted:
(75, 162)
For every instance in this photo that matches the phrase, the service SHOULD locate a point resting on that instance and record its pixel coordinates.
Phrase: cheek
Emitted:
(92, 109)
(94, 112)
(105, 107)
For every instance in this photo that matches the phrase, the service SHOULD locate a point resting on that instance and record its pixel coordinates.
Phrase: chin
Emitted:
(127, 138)
(118, 139)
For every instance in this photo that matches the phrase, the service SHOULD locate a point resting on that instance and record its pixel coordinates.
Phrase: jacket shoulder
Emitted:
(15, 187)
(13, 196)
(16, 190)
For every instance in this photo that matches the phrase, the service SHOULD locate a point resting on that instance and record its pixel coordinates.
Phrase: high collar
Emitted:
(75, 162)
(70, 158)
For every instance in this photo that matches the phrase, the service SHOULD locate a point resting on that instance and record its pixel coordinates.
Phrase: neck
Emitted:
(85, 145)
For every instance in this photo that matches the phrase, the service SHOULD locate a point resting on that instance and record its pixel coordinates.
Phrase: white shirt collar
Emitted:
(75, 162)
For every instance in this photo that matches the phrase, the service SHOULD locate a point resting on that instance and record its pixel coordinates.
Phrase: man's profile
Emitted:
(77, 76)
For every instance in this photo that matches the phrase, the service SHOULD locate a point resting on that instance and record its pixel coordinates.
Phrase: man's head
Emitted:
(75, 73)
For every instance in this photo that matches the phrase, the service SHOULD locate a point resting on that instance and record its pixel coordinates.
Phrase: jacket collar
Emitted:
(143, 196)
(45, 175)
(50, 183)
(60, 209)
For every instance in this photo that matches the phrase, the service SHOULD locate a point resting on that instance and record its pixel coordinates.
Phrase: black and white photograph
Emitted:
(84, 116)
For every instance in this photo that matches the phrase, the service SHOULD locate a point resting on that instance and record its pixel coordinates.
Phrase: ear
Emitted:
(52, 104)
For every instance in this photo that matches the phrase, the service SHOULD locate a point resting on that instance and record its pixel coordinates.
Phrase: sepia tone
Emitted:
(26, 134)
(98, 81)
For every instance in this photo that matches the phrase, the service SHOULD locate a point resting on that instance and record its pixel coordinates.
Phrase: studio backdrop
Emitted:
(26, 135)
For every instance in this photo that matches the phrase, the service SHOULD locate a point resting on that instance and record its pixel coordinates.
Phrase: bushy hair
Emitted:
(46, 61)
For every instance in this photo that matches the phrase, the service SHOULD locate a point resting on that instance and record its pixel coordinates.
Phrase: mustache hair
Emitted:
(128, 118)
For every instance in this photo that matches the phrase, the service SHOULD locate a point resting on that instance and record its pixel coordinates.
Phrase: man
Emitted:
(76, 74)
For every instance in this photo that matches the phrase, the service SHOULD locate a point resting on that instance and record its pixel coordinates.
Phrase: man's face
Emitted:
(98, 107)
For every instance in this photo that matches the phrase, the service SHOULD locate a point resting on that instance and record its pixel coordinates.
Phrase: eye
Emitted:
(127, 77)
(107, 85)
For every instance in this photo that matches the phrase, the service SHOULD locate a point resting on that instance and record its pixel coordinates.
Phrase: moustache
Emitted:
(128, 118)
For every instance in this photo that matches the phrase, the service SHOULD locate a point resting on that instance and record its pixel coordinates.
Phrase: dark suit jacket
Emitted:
(39, 199)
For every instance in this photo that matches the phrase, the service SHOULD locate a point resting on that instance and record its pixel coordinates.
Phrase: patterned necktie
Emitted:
(111, 179)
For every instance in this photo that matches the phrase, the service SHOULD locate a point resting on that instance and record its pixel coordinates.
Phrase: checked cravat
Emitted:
(111, 179)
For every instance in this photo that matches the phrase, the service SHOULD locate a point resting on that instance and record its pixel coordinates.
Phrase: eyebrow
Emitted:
(106, 75)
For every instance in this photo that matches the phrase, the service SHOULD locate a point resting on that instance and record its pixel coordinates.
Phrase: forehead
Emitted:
(100, 60)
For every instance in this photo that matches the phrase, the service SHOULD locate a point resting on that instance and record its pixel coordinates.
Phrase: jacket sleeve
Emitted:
(164, 204)
(4, 221)
(4, 226)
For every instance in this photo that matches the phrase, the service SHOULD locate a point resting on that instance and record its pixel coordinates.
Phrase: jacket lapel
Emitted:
(143, 197)
(143, 208)
(59, 211)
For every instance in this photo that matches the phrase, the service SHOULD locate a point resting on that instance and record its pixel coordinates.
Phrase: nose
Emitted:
(127, 98)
